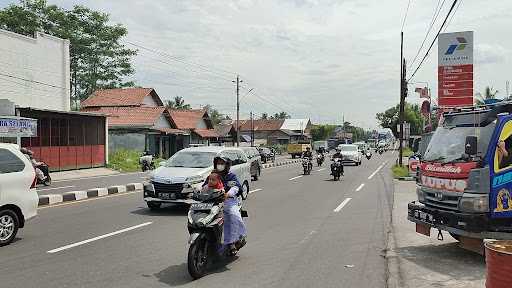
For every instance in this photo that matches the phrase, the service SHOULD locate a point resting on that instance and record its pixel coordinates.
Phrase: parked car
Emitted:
(351, 153)
(266, 154)
(18, 196)
(253, 155)
(178, 178)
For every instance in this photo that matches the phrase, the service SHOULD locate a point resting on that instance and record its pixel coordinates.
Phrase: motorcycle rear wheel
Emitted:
(197, 261)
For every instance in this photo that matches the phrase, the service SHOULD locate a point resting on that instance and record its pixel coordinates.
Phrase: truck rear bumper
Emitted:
(463, 224)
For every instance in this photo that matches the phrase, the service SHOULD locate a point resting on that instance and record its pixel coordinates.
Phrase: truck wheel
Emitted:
(153, 206)
(9, 225)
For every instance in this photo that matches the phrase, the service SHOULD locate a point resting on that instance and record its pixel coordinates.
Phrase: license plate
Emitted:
(423, 229)
(167, 196)
(201, 206)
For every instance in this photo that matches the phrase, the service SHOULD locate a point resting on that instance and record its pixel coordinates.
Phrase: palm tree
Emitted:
(489, 93)
(178, 104)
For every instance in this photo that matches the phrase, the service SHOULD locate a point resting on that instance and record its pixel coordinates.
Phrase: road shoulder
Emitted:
(419, 261)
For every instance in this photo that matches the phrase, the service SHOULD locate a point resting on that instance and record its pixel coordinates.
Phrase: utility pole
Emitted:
(252, 130)
(401, 115)
(237, 110)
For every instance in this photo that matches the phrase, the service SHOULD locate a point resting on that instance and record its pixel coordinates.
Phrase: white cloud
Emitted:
(313, 58)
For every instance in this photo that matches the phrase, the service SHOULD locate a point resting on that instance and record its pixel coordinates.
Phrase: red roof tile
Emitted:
(118, 97)
(186, 119)
(206, 133)
(129, 116)
(261, 125)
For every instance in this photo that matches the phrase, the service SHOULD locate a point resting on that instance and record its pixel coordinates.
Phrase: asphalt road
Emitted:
(81, 184)
(303, 232)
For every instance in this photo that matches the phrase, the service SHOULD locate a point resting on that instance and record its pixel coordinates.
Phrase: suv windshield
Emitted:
(190, 159)
(448, 143)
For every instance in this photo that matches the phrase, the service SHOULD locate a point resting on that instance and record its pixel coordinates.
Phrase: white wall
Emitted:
(201, 125)
(163, 122)
(149, 101)
(43, 59)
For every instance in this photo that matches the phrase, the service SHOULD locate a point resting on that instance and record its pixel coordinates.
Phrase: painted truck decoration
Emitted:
(469, 196)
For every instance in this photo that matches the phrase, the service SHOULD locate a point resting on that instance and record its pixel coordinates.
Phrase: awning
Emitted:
(172, 131)
(206, 133)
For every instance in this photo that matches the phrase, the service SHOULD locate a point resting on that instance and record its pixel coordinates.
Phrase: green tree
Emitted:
(322, 132)
(264, 116)
(178, 103)
(489, 93)
(97, 58)
(389, 118)
(215, 115)
(281, 115)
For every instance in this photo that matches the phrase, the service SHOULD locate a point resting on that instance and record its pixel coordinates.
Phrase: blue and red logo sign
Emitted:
(457, 47)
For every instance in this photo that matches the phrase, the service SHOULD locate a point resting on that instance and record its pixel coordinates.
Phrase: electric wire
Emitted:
(405, 16)
(435, 39)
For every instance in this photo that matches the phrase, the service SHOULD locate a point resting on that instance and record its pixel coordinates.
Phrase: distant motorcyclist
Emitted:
(307, 153)
(30, 155)
(337, 155)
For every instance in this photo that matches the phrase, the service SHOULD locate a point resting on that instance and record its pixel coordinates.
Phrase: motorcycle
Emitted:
(380, 151)
(368, 155)
(320, 159)
(47, 180)
(205, 225)
(146, 162)
(337, 168)
(307, 166)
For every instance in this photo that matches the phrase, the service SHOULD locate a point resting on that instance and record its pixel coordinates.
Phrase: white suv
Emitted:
(177, 178)
(18, 195)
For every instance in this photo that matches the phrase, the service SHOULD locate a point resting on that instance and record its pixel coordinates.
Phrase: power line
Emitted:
(31, 81)
(453, 16)
(405, 17)
(434, 41)
(437, 11)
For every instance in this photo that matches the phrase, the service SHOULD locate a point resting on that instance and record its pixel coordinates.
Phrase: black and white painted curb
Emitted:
(53, 199)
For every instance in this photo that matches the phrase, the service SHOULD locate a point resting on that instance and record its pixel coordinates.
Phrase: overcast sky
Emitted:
(312, 58)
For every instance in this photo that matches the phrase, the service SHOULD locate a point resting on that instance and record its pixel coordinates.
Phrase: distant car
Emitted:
(18, 195)
(351, 153)
(266, 154)
(253, 155)
(178, 178)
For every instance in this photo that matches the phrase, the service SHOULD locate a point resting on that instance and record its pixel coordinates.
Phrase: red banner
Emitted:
(456, 77)
(455, 101)
(455, 85)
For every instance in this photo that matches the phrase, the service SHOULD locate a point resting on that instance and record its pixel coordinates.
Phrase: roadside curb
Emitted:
(53, 199)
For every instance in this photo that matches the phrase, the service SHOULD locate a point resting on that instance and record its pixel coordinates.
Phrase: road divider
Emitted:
(281, 163)
(98, 238)
(342, 204)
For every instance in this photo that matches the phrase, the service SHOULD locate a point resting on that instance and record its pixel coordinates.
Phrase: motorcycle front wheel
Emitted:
(198, 258)
(47, 181)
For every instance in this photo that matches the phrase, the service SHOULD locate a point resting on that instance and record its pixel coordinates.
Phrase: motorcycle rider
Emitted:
(337, 154)
(235, 232)
(307, 153)
(30, 155)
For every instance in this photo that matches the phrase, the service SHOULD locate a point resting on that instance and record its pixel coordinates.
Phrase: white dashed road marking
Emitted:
(360, 187)
(254, 191)
(342, 204)
(297, 177)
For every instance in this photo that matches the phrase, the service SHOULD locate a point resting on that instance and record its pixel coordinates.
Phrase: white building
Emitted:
(34, 72)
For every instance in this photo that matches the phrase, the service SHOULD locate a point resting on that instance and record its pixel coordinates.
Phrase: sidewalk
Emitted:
(418, 261)
(82, 173)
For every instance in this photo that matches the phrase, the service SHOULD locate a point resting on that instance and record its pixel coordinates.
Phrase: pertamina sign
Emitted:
(455, 69)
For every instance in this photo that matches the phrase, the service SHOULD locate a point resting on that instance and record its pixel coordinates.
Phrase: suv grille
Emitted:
(167, 188)
(448, 202)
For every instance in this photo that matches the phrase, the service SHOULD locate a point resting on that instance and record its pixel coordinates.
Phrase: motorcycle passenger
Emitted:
(235, 232)
(338, 155)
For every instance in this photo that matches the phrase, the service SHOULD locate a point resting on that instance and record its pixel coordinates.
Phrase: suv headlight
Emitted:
(474, 203)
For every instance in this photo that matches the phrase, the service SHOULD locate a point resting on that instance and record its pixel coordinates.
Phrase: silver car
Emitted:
(184, 173)
(351, 153)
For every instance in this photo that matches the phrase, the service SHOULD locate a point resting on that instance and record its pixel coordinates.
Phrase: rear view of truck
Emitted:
(465, 177)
